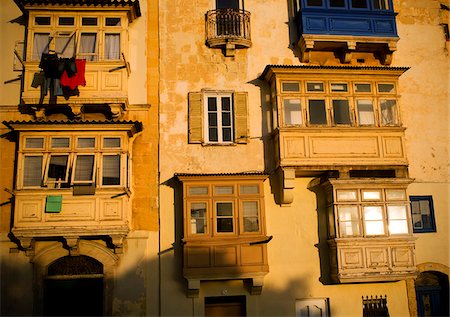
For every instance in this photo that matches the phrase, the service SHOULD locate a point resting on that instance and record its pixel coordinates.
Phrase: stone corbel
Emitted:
(72, 244)
(230, 49)
(257, 285)
(39, 114)
(193, 288)
(386, 58)
(28, 245)
(346, 56)
(117, 241)
(76, 110)
(287, 182)
(306, 46)
(116, 110)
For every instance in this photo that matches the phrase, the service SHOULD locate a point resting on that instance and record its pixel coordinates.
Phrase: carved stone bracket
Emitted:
(116, 110)
(193, 288)
(28, 245)
(257, 285)
(72, 245)
(117, 241)
(76, 110)
(287, 185)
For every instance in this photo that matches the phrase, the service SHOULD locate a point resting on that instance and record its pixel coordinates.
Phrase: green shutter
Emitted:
(240, 117)
(195, 117)
(53, 204)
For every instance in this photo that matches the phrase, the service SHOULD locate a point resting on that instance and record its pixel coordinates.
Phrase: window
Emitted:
(371, 212)
(65, 161)
(422, 211)
(218, 117)
(84, 37)
(375, 306)
(216, 208)
(338, 103)
(312, 307)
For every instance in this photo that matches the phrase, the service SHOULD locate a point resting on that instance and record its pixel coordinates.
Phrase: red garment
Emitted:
(78, 79)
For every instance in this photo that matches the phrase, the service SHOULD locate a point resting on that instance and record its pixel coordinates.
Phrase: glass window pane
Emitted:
(386, 87)
(32, 171)
(398, 227)
(226, 135)
(339, 87)
(348, 221)
(88, 46)
(380, 4)
(111, 170)
(40, 45)
(198, 190)
(112, 46)
(34, 143)
(89, 21)
(250, 216)
(359, 4)
(212, 119)
(57, 168)
(341, 112)
(373, 213)
(226, 103)
(111, 142)
(42, 20)
(292, 112)
(317, 112)
(198, 217)
(65, 45)
(388, 111)
(226, 119)
(295, 87)
(373, 220)
(337, 3)
(212, 104)
(213, 135)
(60, 142)
(346, 195)
(314, 3)
(112, 22)
(224, 209)
(371, 195)
(249, 189)
(363, 87)
(424, 207)
(395, 194)
(66, 21)
(396, 212)
(365, 112)
(84, 169)
(314, 86)
(223, 190)
(86, 143)
(224, 225)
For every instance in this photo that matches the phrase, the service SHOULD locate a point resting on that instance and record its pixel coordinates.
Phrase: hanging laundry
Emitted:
(49, 64)
(76, 80)
(68, 65)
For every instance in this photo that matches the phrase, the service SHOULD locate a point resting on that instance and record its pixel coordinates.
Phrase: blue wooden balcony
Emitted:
(347, 26)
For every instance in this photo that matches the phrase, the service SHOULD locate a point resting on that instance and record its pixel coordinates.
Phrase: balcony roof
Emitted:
(238, 174)
(128, 5)
(131, 127)
(271, 69)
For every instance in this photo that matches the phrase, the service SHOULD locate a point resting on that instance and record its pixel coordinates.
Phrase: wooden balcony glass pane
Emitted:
(292, 112)
(32, 174)
(34, 143)
(198, 218)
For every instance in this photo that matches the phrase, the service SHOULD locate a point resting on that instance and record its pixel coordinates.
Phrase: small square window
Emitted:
(34, 143)
(112, 22)
(362, 87)
(339, 87)
(60, 142)
(359, 4)
(314, 3)
(249, 189)
(66, 21)
(291, 87)
(42, 20)
(223, 190)
(89, 21)
(386, 88)
(422, 211)
(198, 190)
(86, 143)
(314, 86)
(111, 142)
(337, 3)
(371, 195)
(346, 195)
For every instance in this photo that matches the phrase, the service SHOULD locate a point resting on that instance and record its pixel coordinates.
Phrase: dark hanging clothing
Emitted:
(49, 64)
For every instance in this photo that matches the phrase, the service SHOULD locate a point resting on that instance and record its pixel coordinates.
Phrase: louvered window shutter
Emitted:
(240, 117)
(195, 117)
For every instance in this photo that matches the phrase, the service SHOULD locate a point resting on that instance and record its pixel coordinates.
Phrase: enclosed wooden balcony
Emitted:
(347, 26)
(228, 29)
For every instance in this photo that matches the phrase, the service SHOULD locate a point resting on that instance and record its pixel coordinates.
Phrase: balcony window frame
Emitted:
(73, 152)
(219, 118)
(211, 199)
(55, 30)
(374, 100)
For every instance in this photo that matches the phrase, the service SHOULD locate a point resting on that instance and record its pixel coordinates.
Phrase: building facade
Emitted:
(224, 157)
(79, 158)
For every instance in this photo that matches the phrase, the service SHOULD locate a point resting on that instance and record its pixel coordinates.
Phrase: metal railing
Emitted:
(228, 24)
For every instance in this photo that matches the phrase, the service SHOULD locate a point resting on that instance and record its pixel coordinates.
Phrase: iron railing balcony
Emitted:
(228, 29)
